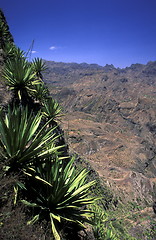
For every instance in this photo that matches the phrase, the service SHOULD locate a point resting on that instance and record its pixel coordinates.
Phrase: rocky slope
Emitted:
(110, 119)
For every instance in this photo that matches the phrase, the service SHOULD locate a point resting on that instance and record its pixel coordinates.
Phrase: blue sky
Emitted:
(118, 32)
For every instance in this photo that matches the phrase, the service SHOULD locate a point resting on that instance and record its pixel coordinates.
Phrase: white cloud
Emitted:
(53, 48)
(34, 51)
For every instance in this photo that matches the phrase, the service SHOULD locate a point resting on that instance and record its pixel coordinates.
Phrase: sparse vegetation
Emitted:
(46, 193)
(47, 180)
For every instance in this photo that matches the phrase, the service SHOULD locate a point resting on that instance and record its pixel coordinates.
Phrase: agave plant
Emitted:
(41, 92)
(59, 193)
(20, 78)
(102, 226)
(22, 141)
(12, 52)
(51, 109)
(5, 35)
(39, 66)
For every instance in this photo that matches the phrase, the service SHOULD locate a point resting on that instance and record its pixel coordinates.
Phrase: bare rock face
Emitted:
(133, 186)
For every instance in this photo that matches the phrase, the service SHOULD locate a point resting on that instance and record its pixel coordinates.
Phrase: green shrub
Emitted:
(102, 226)
(59, 194)
(22, 141)
(30, 147)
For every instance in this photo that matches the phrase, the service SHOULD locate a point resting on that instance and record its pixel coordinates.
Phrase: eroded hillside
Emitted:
(111, 121)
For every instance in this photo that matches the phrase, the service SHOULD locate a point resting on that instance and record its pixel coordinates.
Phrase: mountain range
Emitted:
(109, 123)
(110, 120)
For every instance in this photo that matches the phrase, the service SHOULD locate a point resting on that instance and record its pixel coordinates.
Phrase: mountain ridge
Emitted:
(110, 119)
(95, 65)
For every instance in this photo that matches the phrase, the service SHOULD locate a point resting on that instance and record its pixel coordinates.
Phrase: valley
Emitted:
(110, 120)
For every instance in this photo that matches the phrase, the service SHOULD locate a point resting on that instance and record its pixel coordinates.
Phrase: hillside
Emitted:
(111, 121)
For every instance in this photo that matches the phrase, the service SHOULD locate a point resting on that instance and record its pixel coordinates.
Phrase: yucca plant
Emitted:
(5, 35)
(12, 52)
(51, 109)
(52, 186)
(41, 92)
(39, 67)
(59, 193)
(22, 141)
(102, 226)
(20, 78)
